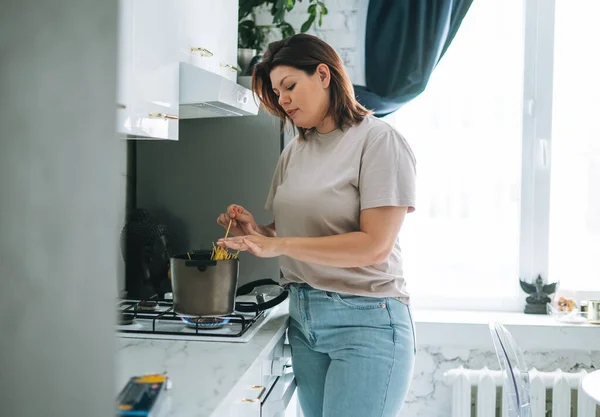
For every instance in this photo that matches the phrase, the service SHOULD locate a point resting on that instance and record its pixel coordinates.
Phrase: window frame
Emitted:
(538, 74)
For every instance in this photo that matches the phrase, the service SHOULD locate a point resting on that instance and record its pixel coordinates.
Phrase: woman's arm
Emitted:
(379, 228)
(267, 230)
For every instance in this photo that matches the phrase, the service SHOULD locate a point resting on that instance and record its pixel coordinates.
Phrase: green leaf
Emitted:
(258, 40)
(246, 27)
(306, 25)
(245, 34)
(312, 9)
(287, 30)
(289, 5)
(251, 36)
(279, 9)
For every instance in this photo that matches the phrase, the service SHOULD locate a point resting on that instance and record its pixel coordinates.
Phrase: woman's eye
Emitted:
(291, 87)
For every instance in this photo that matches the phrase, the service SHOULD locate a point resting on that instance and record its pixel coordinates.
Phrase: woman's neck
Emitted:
(327, 125)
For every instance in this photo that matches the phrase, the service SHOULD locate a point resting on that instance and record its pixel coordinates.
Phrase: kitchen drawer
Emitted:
(266, 383)
(277, 402)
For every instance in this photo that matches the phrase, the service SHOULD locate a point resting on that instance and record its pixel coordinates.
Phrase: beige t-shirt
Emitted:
(320, 186)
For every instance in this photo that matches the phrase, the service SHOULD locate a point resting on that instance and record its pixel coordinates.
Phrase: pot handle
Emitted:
(201, 264)
(251, 307)
(255, 308)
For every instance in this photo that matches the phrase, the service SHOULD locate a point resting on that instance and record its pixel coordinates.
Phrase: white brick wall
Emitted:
(341, 29)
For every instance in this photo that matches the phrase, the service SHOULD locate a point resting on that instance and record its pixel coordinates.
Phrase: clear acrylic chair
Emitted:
(516, 376)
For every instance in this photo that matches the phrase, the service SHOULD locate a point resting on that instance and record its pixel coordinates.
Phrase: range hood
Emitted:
(205, 94)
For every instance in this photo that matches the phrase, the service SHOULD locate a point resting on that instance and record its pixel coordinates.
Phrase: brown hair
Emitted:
(306, 52)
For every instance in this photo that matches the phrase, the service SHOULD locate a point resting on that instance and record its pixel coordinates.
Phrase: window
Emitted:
(574, 257)
(500, 193)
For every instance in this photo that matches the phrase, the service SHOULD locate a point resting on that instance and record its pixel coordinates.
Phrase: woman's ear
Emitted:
(324, 75)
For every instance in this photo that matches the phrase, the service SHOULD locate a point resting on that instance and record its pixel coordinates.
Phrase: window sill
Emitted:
(469, 329)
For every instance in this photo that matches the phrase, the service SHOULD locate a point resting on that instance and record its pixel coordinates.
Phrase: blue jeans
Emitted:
(352, 356)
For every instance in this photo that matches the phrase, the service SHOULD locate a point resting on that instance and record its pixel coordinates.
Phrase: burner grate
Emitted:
(137, 309)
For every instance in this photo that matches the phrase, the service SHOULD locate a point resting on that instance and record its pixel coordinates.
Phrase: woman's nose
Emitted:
(284, 99)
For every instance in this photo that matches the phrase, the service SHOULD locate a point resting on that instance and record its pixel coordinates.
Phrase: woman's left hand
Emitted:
(255, 243)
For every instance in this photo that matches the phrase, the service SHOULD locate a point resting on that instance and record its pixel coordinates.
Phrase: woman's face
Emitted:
(305, 98)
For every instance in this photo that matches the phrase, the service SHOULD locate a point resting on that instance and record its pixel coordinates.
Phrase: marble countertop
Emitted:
(202, 373)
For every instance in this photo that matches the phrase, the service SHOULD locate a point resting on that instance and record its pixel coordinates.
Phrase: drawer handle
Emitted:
(163, 116)
(231, 68)
(260, 393)
(203, 51)
(121, 106)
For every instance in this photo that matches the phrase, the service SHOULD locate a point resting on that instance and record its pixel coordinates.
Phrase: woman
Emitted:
(339, 196)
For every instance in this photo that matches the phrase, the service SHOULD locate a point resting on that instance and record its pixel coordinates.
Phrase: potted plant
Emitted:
(252, 38)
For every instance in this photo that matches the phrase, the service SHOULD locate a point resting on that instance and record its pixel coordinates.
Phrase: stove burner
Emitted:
(147, 305)
(126, 318)
(205, 323)
(154, 317)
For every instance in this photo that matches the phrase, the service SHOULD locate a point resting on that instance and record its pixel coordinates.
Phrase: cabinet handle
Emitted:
(232, 68)
(260, 389)
(203, 51)
(121, 106)
(163, 116)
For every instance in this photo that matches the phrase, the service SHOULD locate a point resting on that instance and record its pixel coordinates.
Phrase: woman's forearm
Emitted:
(379, 228)
(347, 250)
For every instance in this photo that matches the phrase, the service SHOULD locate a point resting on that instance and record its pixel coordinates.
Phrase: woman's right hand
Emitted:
(242, 221)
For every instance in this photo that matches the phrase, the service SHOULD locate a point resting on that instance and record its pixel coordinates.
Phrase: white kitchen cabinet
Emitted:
(125, 67)
(148, 78)
(208, 35)
(154, 38)
(227, 47)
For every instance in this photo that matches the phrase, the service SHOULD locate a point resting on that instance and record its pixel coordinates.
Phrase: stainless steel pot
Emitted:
(202, 287)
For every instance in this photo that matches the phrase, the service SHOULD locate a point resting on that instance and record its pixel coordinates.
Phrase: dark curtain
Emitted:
(405, 39)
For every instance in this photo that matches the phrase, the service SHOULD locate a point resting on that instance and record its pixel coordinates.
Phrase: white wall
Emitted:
(61, 197)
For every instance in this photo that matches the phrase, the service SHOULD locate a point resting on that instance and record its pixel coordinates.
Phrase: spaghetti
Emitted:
(222, 254)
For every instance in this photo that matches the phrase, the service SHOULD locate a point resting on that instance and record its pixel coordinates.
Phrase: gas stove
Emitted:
(151, 319)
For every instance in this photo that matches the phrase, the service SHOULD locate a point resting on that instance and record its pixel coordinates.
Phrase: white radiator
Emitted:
(487, 382)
